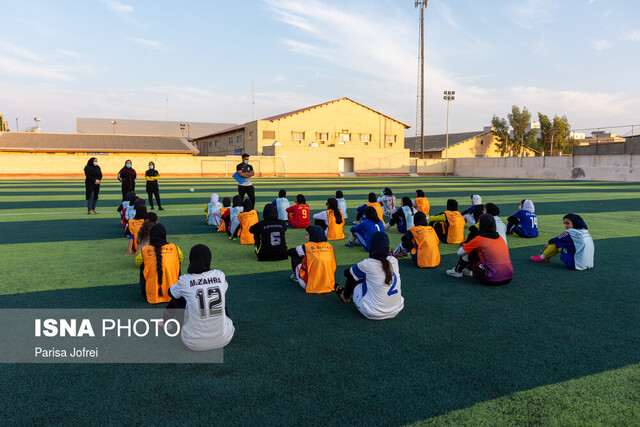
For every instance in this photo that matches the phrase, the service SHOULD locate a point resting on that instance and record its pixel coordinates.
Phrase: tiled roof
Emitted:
(65, 142)
(438, 142)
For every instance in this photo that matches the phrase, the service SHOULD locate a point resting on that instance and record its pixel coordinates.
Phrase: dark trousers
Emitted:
(441, 229)
(350, 284)
(477, 266)
(250, 191)
(154, 192)
(295, 258)
(91, 201)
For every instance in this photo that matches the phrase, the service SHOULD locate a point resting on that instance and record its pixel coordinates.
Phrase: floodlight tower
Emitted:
(448, 95)
(422, 4)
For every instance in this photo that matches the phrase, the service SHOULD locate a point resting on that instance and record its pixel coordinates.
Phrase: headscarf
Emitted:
(91, 170)
(386, 191)
(452, 205)
(125, 171)
(214, 200)
(158, 235)
(316, 234)
(247, 205)
(270, 212)
(420, 219)
(371, 214)
(379, 246)
(130, 196)
(150, 216)
(528, 206)
(577, 221)
(487, 226)
(199, 259)
(141, 210)
(476, 199)
(419, 193)
(138, 202)
(492, 209)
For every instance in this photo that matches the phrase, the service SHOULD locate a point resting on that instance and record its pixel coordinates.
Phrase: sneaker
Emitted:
(467, 272)
(356, 222)
(90, 213)
(454, 273)
(538, 258)
(160, 208)
(387, 227)
(293, 277)
(356, 243)
(151, 207)
(349, 244)
(401, 255)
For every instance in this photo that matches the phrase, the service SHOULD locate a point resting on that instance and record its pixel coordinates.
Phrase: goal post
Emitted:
(263, 166)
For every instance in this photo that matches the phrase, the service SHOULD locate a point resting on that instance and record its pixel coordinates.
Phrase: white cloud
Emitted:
(125, 11)
(633, 35)
(69, 53)
(527, 13)
(18, 68)
(19, 51)
(601, 45)
(145, 42)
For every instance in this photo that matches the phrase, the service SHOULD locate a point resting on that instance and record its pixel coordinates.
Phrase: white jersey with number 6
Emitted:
(206, 326)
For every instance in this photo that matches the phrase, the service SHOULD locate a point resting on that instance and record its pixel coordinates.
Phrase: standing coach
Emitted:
(245, 170)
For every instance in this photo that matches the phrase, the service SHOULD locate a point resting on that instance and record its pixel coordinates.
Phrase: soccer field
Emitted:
(553, 346)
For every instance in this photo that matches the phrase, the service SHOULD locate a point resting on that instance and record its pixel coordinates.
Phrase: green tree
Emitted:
(500, 129)
(554, 134)
(511, 142)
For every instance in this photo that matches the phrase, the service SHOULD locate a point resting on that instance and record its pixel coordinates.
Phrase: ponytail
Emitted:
(332, 204)
(158, 251)
(388, 271)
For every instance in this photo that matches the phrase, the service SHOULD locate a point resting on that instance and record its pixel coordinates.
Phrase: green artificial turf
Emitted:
(301, 359)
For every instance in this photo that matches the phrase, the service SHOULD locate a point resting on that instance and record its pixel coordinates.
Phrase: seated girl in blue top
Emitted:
(472, 214)
(524, 222)
(403, 216)
(361, 233)
(575, 245)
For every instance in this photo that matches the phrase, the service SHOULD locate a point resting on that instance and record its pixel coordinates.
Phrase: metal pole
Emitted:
(551, 152)
(446, 151)
(17, 128)
(421, 80)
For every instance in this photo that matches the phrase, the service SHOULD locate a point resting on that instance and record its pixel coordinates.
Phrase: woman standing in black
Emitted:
(127, 176)
(152, 175)
(93, 175)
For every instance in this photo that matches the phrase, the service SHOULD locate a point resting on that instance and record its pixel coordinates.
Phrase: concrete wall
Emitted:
(597, 168)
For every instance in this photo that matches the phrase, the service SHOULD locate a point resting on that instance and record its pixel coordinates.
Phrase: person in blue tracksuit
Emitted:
(403, 217)
(524, 222)
(361, 233)
(575, 245)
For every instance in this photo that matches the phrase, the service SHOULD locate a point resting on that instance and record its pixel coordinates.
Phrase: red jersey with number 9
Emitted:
(299, 216)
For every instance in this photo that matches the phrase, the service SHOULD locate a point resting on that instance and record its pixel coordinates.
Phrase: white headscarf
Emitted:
(528, 206)
(476, 200)
(214, 198)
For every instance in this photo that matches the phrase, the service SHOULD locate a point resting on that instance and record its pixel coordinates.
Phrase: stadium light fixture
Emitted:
(114, 123)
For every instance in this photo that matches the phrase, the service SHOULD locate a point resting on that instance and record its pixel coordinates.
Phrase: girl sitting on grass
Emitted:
(524, 222)
(403, 216)
(342, 204)
(575, 245)
(380, 296)
(331, 220)
(212, 210)
(314, 263)
(150, 219)
(248, 217)
(361, 233)
(299, 214)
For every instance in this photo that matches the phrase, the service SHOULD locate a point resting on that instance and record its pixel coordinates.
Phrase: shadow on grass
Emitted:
(456, 343)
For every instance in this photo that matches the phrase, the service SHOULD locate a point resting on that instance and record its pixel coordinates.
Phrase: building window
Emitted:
(239, 139)
(250, 135)
(365, 138)
(216, 142)
(322, 136)
(231, 141)
(390, 139)
(345, 137)
(210, 144)
(297, 136)
(481, 142)
(268, 134)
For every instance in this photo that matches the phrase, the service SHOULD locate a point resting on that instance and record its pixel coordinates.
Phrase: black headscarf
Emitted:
(199, 259)
(316, 234)
(420, 219)
(578, 222)
(487, 226)
(270, 213)
(492, 209)
(138, 202)
(151, 216)
(452, 205)
(371, 214)
(141, 210)
(130, 196)
(247, 206)
(158, 235)
(379, 246)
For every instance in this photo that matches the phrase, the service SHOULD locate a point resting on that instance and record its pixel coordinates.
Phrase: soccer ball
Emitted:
(191, 190)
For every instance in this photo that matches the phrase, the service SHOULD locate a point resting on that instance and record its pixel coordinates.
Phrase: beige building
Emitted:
(340, 136)
(466, 144)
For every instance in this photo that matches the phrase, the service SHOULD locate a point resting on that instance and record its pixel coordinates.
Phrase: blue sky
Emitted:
(122, 59)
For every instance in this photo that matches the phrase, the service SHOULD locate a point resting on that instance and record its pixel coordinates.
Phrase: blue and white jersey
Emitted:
(528, 223)
(501, 228)
(365, 230)
(409, 212)
(342, 205)
(374, 298)
(584, 249)
(213, 209)
(388, 204)
(281, 204)
(234, 222)
(129, 213)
